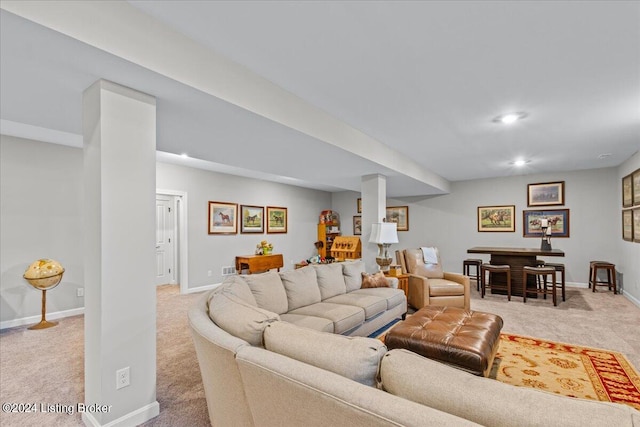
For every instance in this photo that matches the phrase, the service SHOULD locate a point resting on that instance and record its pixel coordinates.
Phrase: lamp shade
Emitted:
(384, 232)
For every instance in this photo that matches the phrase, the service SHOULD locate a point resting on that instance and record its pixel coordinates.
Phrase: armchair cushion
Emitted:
(443, 287)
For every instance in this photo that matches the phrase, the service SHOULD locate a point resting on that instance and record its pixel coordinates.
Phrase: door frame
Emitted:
(181, 256)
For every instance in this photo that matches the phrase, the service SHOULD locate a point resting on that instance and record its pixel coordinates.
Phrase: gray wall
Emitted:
(212, 252)
(40, 217)
(450, 221)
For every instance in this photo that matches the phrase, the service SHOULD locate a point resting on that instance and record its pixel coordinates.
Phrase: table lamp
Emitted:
(384, 234)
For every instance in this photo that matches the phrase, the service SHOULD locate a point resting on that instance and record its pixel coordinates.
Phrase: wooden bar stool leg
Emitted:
(553, 286)
(524, 286)
(508, 286)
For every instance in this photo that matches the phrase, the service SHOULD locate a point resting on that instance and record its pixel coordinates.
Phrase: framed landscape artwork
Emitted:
(252, 219)
(627, 191)
(558, 221)
(276, 219)
(357, 225)
(359, 210)
(636, 225)
(223, 218)
(545, 194)
(496, 218)
(399, 215)
(636, 187)
(627, 225)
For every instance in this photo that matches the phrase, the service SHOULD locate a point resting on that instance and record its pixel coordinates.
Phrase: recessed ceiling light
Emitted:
(184, 155)
(507, 119)
(520, 162)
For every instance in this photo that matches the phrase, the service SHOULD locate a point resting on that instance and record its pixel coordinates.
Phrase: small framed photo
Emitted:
(276, 219)
(357, 225)
(223, 218)
(627, 191)
(636, 187)
(636, 225)
(251, 219)
(496, 218)
(359, 206)
(399, 215)
(557, 219)
(545, 194)
(627, 225)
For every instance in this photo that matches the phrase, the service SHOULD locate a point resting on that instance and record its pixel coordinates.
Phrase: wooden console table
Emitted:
(516, 258)
(258, 263)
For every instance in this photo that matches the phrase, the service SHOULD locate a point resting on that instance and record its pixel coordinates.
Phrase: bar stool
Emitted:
(492, 269)
(539, 281)
(466, 267)
(538, 272)
(560, 269)
(610, 268)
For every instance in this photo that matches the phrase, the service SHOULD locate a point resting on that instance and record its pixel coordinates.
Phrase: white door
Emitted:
(165, 242)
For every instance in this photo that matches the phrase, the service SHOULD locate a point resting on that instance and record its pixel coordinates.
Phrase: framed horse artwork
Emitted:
(558, 221)
(276, 219)
(223, 218)
(496, 218)
(252, 219)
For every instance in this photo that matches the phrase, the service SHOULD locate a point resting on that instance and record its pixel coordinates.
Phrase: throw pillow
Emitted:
(374, 280)
(357, 358)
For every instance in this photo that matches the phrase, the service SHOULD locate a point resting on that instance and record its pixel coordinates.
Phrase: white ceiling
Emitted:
(422, 78)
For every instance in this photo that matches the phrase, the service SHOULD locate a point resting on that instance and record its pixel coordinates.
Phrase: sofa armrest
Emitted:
(465, 282)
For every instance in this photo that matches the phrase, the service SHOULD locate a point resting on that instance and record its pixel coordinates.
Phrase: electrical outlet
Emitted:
(122, 378)
(209, 273)
(80, 292)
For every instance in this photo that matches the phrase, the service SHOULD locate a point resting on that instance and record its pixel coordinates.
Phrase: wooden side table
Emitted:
(258, 263)
(403, 282)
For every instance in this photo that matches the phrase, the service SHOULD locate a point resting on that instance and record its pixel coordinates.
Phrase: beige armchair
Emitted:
(429, 285)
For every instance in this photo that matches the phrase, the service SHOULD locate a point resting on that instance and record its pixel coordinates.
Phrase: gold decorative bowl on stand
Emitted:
(44, 274)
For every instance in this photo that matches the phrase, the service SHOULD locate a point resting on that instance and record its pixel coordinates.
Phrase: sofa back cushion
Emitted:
(301, 286)
(239, 287)
(237, 317)
(416, 265)
(268, 291)
(352, 272)
(357, 358)
(330, 280)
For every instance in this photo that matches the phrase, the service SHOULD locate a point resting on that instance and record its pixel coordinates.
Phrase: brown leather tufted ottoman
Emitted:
(462, 338)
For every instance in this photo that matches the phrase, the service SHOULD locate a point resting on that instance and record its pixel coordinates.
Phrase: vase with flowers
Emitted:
(264, 248)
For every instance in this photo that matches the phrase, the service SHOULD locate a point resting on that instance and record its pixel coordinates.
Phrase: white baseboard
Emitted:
(131, 419)
(630, 298)
(35, 319)
(576, 285)
(203, 288)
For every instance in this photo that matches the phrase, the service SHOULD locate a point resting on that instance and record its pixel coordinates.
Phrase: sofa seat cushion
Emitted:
(268, 291)
(357, 358)
(489, 402)
(344, 317)
(393, 297)
(312, 322)
(444, 288)
(301, 286)
(330, 280)
(372, 305)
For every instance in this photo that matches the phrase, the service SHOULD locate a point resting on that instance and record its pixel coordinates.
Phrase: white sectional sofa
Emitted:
(298, 368)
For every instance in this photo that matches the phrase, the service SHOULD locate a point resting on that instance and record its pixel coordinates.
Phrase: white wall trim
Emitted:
(37, 133)
(203, 288)
(134, 418)
(183, 242)
(35, 319)
(630, 298)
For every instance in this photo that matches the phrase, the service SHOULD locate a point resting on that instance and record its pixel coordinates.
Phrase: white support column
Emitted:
(119, 127)
(374, 208)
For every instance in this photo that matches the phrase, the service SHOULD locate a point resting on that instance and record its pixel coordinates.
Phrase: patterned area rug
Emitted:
(566, 369)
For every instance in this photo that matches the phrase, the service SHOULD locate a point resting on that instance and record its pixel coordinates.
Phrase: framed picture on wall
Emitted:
(627, 191)
(636, 187)
(223, 218)
(359, 205)
(545, 194)
(399, 215)
(276, 219)
(558, 220)
(497, 218)
(627, 225)
(252, 219)
(636, 225)
(357, 225)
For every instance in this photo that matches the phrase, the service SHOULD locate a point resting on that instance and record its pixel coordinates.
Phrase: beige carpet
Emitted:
(47, 365)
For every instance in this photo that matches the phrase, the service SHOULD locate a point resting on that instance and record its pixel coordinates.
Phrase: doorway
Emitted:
(171, 239)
